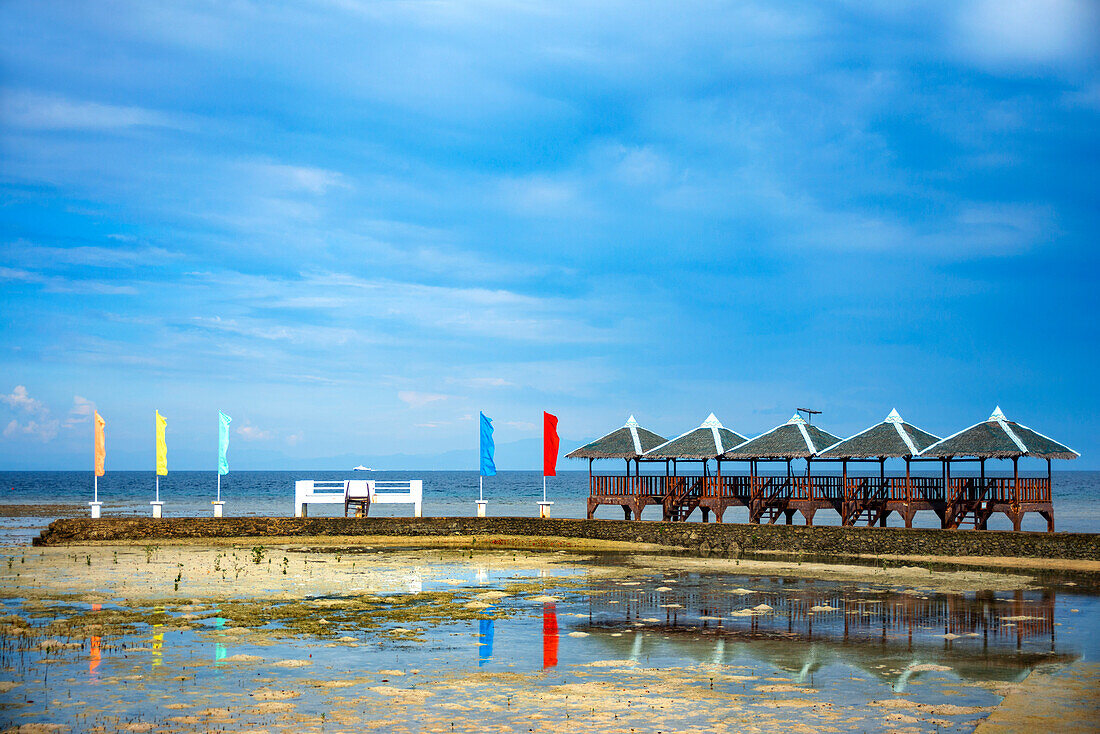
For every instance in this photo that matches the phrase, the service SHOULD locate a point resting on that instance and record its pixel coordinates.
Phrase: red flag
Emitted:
(549, 445)
(549, 635)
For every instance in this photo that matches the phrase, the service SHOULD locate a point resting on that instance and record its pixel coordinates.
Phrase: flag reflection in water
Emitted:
(219, 648)
(549, 635)
(94, 647)
(485, 638)
(93, 655)
(158, 641)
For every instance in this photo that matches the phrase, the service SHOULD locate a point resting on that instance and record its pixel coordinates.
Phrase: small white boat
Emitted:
(362, 468)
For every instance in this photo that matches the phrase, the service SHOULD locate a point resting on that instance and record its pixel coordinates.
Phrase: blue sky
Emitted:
(353, 225)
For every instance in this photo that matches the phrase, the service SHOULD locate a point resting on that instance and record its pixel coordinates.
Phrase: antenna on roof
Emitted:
(809, 413)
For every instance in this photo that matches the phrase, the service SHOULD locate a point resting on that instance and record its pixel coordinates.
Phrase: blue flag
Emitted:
(223, 442)
(488, 468)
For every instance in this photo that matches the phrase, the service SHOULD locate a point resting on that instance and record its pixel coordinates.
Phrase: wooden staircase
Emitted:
(873, 516)
(682, 499)
(771, 515)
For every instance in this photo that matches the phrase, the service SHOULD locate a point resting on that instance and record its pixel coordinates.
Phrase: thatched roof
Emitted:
(708, 441)
(795, 439)
(999, 438)
(628, 442)
(892, 438)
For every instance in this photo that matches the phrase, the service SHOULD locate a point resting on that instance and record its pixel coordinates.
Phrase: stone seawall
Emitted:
(727, 539)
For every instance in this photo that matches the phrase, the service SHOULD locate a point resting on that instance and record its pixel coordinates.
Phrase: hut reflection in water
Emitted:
(979, 635)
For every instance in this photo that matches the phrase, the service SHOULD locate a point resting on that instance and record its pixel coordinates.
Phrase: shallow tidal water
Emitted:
(514, 641)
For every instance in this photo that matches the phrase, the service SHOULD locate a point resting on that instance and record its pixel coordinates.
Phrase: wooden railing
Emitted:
(1033, 489)
(771, 489)
(997, 489)
(602, 486)
(860, 489)
(893, 489)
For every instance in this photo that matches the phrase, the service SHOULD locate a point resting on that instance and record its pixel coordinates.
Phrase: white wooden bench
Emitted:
(382, 492)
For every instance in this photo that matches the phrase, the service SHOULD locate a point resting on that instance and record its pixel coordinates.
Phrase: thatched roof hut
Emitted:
(628, 442)
(893, 438)
(708, 441)
(795, 439)
(998, 438)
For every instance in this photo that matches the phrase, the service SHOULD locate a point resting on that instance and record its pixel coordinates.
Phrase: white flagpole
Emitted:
(219, 484)
(480, 488)
(543, 487)
(96, 485)
(158, 487)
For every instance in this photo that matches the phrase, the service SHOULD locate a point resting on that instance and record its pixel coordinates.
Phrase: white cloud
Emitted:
(477, 382)
(59, 284)
(295, 438)
(41, 256)
(521, 425)
(419, 399)
(20, 399)
(1014, 32)
(296, 178)
(81, 412)
(43, 430)
(540, 195)
(46, 112)
(252, 433)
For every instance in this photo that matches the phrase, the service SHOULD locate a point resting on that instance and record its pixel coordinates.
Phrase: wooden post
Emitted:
(1050, 484)
(950, 512)
(1016, 481)
(845, 508)
(908, 494)
(882, 473)
(752, 489)
(809, 481)
(718, 485)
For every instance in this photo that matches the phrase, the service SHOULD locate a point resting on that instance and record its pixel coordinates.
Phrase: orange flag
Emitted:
(100, 445)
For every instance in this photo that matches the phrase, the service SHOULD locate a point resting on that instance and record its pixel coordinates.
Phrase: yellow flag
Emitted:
(100, 445)
(162, 447)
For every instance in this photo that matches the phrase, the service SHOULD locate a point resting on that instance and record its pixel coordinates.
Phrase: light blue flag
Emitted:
(488, 468)
(223, 443)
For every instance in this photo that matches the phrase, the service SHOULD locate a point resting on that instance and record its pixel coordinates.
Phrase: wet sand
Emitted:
(180, 569)
(1070, 698)
(282, 608)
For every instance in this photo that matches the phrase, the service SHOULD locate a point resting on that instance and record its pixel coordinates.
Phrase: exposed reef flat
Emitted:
(1075, 551)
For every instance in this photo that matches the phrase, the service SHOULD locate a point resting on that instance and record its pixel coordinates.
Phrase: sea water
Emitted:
(446, 493)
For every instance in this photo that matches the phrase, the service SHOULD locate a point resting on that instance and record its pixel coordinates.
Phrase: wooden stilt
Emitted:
(908, 496)
(846, 504)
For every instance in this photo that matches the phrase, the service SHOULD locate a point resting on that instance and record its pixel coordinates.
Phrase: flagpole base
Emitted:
(95, 509)
(481, 507)
(218, 508)
(544, 509)
(158, 508)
